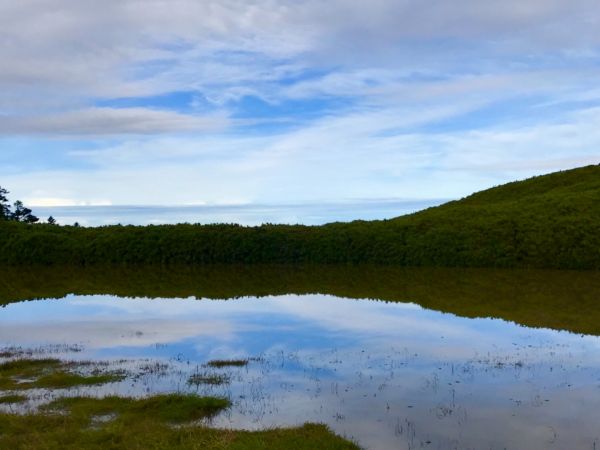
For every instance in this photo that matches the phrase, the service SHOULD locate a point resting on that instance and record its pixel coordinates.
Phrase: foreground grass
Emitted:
(160, 422)
(169, 421)
(21, 374)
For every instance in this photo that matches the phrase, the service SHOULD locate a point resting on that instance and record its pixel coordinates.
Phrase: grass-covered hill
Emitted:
(551, 221)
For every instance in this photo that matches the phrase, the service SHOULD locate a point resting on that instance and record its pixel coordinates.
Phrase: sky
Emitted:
(258, 102)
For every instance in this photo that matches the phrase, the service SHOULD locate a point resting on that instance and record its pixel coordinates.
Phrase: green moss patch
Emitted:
(12, 399)
(167, 408)
(72, 423)
(63, 380)
(22, 374)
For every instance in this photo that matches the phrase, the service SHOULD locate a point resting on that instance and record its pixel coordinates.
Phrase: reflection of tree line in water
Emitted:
(562, 300)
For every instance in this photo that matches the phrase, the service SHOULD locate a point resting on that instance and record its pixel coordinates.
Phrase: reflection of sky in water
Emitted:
(389, 375)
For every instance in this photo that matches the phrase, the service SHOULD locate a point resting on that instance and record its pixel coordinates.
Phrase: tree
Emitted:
(20, 213)
(4, 205)
(23, 214)
(51, 220)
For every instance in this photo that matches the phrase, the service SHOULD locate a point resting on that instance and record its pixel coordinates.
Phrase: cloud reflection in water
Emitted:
(390, 375)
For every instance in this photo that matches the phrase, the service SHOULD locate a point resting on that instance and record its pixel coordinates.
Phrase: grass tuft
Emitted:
(167, 408)
(208, 378)
(65, 380)
(23, 374)
(12, 399)
(219, 363)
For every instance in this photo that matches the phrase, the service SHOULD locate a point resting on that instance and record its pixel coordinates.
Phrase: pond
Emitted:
(390, 358)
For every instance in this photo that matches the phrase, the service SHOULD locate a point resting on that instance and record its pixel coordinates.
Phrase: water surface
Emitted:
(389, 374)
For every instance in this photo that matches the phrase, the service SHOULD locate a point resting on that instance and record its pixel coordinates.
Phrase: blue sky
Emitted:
(228, 102)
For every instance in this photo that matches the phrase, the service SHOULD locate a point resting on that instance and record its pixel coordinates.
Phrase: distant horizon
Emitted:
(242, 214)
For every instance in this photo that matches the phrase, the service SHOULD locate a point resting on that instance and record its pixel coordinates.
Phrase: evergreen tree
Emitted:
(23, 214)
(51, 220)
(4, 205)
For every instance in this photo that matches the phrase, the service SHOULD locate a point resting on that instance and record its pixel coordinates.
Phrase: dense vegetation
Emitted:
(558, 299)
(551, 221)
(162, 421)
(20, 212)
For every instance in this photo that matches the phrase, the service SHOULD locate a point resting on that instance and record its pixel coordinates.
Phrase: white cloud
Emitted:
(110, 121)
(52, 201)
(401, 65)
(363, 155)
(66, 51)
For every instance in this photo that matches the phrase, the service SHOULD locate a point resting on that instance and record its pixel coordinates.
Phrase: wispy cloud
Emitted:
(110, 121)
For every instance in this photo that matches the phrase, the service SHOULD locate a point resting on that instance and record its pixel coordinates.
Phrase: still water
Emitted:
(387, 374)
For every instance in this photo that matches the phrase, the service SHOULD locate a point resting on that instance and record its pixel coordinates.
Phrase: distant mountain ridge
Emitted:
(549, 221)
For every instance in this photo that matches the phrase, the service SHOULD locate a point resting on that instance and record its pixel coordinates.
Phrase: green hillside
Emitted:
(546, 221)
(550, 221)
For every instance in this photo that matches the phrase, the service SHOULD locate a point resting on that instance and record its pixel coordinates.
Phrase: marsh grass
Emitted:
(164, 421)
(167, 421)
(21, 352)
(220, 363)
(21, 374)
(12, 399)
(167, 408)
(208, 378)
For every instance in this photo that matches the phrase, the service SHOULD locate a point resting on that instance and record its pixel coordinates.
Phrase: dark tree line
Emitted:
(551, 221)
(18, 213)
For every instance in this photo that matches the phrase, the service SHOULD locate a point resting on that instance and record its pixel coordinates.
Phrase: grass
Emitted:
(62, 379)
(208, 378)
(116, 423)
(12, 399)
(220, 363)
(19, 352)
(21, 374)
(167, 421)
(148, 424)
(166, 408)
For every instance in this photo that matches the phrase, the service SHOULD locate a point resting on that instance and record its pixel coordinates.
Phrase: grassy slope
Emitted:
(545, 221)
(551, 221)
